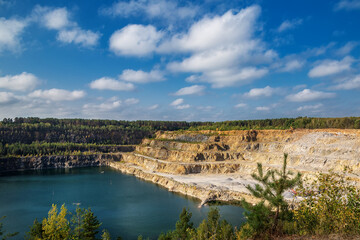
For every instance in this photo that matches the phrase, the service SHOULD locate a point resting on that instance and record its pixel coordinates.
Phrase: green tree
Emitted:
(105, 235)
(183, 226)
(36, 231)
(85, 224)
(213, 229)
(264, 217)
(56, 226)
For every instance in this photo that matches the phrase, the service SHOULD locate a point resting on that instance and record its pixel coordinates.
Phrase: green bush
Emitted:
(331, 204)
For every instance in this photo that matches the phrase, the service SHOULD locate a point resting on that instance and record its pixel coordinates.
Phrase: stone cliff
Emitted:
(46, 162)
(218, 165)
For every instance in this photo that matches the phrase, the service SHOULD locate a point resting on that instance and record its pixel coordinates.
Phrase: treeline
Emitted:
(282, 123)
(28, 130)
(52, 130)
(42, 149)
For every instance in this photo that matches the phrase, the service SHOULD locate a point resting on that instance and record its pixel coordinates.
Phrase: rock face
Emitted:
(222, 162)
(45, 162)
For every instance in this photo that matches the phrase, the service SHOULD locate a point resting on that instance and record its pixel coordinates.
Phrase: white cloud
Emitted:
(309, 95)
(262, 108)
(153, 107)
(10, 31)
(289, 24)
(106, 83)
(164, 9)
(349, 84)
(106, 106)
(181, 107)
(241, 105)
(223, 49)
(135, 40)
(195, 89)
(56, 19)
(85, 38)
(331, 67)
(292, 65)
(140, 76)
(347, 48)
(309, 107)
(8, 98)
(347, 5)
(261, 92)
(132, 101)
(59, 19)
(177, 102)
(22, 82)
(55, 94)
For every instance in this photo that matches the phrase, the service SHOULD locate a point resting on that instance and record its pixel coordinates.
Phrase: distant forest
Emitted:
(31, 136)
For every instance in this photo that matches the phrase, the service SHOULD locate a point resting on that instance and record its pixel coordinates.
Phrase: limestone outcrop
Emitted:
(222, 162)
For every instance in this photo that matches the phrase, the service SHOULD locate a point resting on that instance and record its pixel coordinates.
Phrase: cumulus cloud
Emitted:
(106, 106)
(262, 108)
(224, 50)
(331, 67)
(349, 84)
(55, 94)
(177, 102)
(181, 107)
(292, 65)
(347, 5)
(132, 101)
(106, 83)
(164, 9)
(192, 90)
(135, 40)
(10, 31)
(22, 82)
(55, 19)
(261, 92)
(8, 98)
(241, 105)
(307, 95)
(289, 24)
(309, 107)
(59, 19)
(85, 38)
(153, 107)
(140, 76)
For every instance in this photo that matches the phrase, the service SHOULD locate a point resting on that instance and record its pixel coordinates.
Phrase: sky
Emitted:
(211, 60)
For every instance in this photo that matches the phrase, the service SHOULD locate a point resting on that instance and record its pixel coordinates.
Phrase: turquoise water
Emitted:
(125, 205)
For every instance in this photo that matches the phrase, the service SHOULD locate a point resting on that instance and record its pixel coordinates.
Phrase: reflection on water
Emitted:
(126, 205)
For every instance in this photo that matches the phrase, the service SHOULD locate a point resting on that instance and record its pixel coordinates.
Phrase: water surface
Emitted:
(126, 206)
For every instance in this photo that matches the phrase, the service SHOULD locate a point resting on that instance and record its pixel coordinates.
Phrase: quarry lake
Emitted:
(125, 205)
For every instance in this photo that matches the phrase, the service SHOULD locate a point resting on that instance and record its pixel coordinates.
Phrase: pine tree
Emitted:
(272, 186)
(105, 235)
(85, 224)
(90, 225)
(56, 226)
(183, 226)
(36, 231)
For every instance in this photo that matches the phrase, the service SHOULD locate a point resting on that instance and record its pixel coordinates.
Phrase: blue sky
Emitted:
(206, 60)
